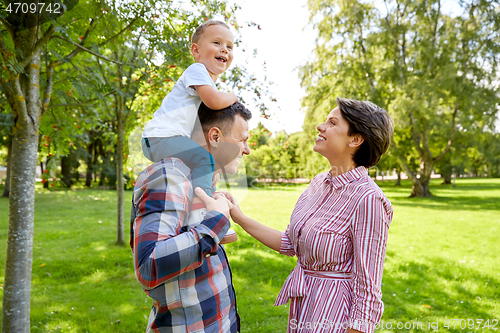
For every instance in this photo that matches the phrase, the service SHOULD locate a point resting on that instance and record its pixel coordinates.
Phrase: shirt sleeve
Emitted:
(197, 75)
(370, 229)
(286, 246)
(161, 249)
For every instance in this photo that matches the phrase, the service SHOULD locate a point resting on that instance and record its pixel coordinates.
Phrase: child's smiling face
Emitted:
(214, 49)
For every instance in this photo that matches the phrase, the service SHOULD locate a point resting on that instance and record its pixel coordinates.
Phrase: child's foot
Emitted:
(231, 236)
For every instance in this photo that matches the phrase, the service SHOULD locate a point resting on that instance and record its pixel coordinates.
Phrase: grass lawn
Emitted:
(442, 260)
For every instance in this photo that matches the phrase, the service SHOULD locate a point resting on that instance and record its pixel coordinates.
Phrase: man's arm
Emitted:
(161, 249)
(214, 99)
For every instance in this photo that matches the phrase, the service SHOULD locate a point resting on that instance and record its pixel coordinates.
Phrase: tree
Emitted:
(22, 38)
(34, 50)
(433, 72)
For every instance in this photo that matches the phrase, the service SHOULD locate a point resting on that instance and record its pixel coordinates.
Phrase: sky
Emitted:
(285, 41)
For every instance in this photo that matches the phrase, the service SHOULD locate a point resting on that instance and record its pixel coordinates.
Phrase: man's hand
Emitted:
(218, 203)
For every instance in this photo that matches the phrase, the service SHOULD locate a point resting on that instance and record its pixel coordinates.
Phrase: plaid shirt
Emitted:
(177, 258)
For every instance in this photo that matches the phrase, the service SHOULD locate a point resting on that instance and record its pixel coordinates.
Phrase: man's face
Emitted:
(231, 147)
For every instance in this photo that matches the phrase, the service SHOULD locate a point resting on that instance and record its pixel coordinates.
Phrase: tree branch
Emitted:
(81, 103)
(135, 54)
(20, 109)
(87, 50)
(48, 88)
(77, 49)
(45, 38)
(425, 144)
(415, 135)
(452, 135)
(121, 31)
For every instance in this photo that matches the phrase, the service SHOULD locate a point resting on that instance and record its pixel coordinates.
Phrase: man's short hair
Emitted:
(199, 31)
(223, 119)
(373, 124)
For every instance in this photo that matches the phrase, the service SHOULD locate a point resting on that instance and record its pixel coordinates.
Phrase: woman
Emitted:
(338, 229)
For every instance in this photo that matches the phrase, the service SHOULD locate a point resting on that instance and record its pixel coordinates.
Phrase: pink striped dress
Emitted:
(338, 231)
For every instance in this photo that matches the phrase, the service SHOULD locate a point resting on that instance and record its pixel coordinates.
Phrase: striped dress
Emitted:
(338, 231)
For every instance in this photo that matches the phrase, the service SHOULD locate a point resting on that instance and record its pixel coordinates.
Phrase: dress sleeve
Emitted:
(369, 228)
(286, 246)
(161, 249)
(197, 75)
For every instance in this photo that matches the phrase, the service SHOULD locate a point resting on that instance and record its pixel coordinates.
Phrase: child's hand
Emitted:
(215, 100)
(235, 98)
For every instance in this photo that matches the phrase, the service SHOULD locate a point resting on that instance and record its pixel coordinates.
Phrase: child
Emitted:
(168, 133)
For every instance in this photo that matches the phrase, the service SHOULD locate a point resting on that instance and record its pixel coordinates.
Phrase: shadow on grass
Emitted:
(438, 288)
(452, 203)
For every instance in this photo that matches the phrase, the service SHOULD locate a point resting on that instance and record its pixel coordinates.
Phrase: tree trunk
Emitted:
(446, 180)
(398, 181)
(17, 285)
(90, 165)
(420, 189)
(104, 157)
(119, 179)
(66, 170)
(42, 169)
(421, 185)
(9, 163)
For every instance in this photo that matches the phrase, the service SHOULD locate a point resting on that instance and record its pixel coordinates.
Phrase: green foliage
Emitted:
(434, 73)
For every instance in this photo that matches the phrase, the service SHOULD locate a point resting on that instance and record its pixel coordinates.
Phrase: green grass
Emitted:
(441, 260)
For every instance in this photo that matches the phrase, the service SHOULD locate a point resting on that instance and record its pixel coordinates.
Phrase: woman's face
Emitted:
(333, 141)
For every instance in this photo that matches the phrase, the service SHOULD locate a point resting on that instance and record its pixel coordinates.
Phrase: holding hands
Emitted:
(219, 202)
(236, 214)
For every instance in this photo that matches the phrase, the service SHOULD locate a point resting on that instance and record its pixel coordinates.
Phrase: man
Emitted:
(177, 256)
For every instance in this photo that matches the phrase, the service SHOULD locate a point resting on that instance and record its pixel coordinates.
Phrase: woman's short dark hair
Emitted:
(373, 124)
(223, 119)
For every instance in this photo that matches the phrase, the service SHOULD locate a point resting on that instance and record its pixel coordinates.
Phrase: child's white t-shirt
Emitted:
(179, 109)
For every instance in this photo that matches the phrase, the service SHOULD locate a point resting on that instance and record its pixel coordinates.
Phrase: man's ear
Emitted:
(356, 140)
(214, 134)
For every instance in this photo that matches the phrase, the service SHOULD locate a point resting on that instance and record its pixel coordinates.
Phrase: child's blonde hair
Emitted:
(199, 31)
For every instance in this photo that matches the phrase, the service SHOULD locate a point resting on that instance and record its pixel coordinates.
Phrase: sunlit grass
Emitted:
(441, 259)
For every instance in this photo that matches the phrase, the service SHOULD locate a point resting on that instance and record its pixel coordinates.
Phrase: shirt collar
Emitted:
(346, 177)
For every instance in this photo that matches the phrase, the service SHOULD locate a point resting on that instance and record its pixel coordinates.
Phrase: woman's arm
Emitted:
(268, 236)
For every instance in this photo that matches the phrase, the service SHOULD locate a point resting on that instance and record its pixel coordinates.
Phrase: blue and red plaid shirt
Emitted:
(177, 256)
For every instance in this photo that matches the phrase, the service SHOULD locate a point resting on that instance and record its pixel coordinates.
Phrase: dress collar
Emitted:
(346, 177)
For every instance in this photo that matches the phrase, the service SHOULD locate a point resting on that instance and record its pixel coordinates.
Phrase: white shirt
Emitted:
(179, 109)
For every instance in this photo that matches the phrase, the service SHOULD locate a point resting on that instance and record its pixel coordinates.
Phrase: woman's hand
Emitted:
(236, 213)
